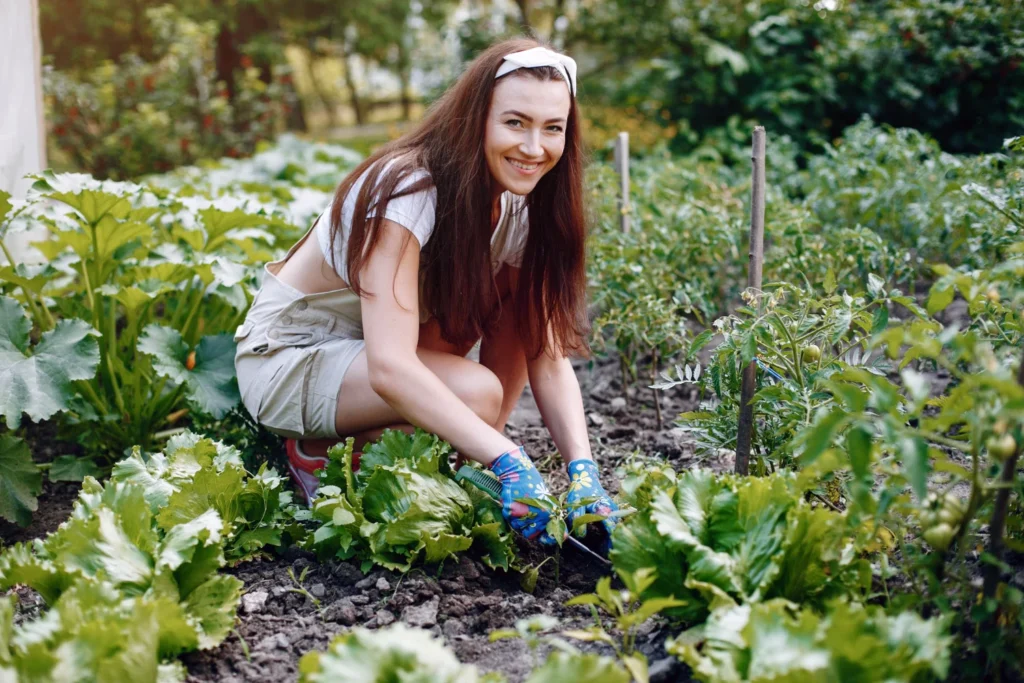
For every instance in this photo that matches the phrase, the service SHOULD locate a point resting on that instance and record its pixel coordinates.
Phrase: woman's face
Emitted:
(525, 133)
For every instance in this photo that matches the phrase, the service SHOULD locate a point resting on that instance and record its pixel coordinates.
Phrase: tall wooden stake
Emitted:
(746, 425)
(622, 167)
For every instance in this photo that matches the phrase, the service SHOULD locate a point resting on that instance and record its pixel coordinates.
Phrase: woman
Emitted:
(469, 228)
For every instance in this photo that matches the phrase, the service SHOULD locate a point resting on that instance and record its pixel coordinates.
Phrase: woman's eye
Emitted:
(513, 122)
(557, 129)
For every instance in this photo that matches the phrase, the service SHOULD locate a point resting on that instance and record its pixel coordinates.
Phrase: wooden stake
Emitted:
(745, 433)
(622, 167)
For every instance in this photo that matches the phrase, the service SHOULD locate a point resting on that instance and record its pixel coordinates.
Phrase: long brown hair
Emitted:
(457, 283)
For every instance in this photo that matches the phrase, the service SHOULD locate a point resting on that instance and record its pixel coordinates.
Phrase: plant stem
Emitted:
(826, 501)
(91, 395)
(946, 441)
(798, 370)
(654, 380)
(625, 378)
(973, 502)
(998, 524)
(191, 315)
(29, 298)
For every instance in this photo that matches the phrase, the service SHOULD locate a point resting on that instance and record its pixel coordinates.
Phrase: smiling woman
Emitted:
(469, 228)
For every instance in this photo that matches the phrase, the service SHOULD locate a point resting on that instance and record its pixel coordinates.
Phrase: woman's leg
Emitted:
(363, 415)
(491, 388)
(502, 352)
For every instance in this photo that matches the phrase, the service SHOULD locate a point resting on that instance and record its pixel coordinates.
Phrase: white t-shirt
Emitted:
(415, 212)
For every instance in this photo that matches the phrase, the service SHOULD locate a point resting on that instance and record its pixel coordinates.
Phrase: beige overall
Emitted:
(294, 348)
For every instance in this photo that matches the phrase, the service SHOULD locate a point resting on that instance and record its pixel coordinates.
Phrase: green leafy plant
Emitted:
(125, 119)
(799, 338)
(149, 285)
(907, 446)
(779, 640)
(628, 612)
(402, 505)
(131, 579)
(20, 480)
(396, 652)
(748, 539)
(300, 589)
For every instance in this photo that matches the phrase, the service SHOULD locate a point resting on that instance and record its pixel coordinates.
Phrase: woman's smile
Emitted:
(523, 167)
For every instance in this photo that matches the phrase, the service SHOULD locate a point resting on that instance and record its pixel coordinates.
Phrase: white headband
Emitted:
(540, 56)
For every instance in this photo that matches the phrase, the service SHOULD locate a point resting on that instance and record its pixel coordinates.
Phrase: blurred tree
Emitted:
(381, 32)
(808, 68)
(83, 33)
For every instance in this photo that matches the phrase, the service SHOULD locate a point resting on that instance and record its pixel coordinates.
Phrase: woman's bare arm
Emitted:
(396, 374)
(557, 392)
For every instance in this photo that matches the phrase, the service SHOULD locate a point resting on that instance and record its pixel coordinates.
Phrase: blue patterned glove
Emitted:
(585, 483)
(520, 479)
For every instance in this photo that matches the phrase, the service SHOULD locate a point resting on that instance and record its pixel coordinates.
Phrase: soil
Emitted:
(56, 498)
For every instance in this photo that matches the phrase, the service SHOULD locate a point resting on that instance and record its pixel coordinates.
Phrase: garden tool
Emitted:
(492, 487)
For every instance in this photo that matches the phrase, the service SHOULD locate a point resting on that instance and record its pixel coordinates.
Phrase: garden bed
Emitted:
(464, 600)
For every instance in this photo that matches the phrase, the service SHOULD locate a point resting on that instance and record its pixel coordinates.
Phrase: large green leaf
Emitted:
(213, 605)
(208, 490)
(37, 381)
(219, 225)
(19, 564)
(5, 205)
(211, 382)
(495, 544)
(99, 636)
(33, 277)
(20, 480)
(99, 548)
(72, 468)
(94, 205)
(638, 545)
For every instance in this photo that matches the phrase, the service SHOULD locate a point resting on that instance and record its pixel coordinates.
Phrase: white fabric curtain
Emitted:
(22, 131)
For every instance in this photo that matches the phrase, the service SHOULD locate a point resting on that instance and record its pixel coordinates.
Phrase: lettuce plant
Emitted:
(748, 539)
(397, 652)
(131, 579)
(778, 640)
(411, 655)
(402, 505)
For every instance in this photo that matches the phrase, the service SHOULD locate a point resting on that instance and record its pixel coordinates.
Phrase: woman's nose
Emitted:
(530, 146)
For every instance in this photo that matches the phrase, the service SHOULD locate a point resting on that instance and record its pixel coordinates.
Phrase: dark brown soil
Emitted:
(56, 498)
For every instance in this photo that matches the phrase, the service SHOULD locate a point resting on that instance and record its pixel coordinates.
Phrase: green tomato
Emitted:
(939, 536)
(810, 353)
(1001, 447)
(951, 516)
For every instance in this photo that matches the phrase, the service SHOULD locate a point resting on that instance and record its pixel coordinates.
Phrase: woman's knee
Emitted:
(481, 390)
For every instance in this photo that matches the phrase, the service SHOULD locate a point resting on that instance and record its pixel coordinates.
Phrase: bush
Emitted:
(122, 120)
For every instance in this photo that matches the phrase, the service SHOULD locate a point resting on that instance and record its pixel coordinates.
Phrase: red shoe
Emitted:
(303, 468)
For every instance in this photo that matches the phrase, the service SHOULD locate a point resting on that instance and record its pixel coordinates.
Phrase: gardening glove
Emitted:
(584, 483)
(520, 479)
